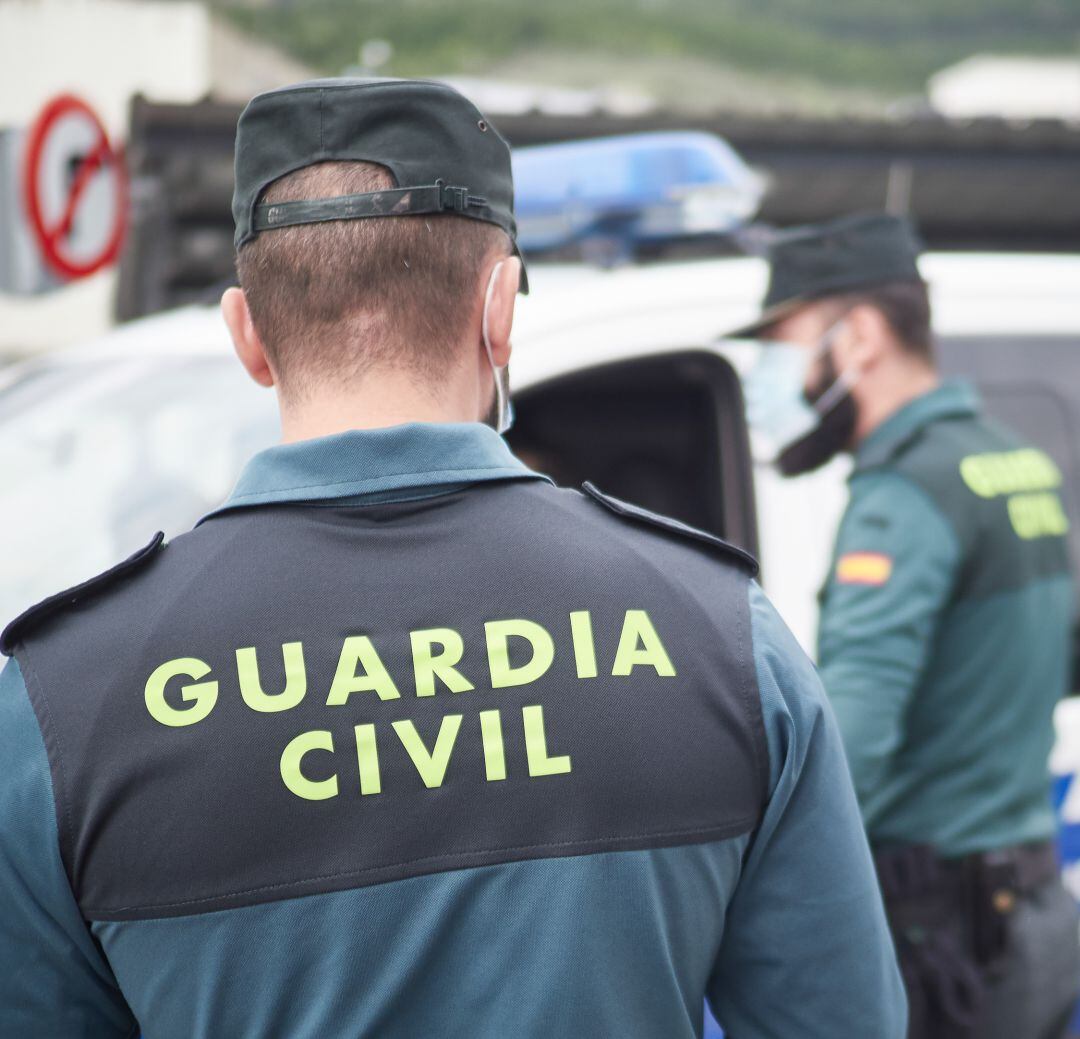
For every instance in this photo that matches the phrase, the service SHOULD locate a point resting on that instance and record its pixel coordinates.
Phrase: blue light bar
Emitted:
(632, 190)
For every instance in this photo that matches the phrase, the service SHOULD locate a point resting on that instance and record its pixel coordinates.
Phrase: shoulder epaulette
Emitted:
(673, 526)
(13, 634)
(872, 457)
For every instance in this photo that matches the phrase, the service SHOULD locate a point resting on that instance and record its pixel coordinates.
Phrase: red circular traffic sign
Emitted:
(51, 231)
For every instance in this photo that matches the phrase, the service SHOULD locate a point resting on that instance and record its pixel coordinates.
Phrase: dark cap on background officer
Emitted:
(944, 635)
(816, 275)
(404, 740)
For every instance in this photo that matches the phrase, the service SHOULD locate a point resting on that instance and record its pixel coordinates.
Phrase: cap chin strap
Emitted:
(429, 198)
(505, 417)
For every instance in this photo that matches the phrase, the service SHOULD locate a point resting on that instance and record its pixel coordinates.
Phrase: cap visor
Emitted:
(769, 316)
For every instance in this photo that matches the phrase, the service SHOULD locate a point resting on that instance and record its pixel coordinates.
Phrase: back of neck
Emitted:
(375, 400)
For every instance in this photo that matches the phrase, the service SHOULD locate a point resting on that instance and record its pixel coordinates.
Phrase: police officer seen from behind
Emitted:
(945, 625)
(403, 740)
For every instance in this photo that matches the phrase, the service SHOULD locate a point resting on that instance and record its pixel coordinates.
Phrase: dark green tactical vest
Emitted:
(294, 699)
(1000, 496)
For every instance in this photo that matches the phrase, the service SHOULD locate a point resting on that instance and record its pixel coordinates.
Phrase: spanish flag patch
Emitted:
(870, 568)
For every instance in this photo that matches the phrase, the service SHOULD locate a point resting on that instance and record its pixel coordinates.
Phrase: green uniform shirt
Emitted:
(945, 625)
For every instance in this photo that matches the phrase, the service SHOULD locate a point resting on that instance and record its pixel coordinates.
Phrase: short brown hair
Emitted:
(905, 306)
(333, 299)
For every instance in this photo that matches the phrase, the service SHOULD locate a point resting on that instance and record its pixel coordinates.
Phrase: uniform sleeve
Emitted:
(53, 979)
(895, 566)
(806, 949)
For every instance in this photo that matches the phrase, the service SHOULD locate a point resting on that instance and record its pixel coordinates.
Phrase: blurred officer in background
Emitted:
(403, 740)
(945, 627)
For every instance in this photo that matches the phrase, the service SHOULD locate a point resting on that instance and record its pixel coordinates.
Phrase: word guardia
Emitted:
(1029, 479)
(436, 654)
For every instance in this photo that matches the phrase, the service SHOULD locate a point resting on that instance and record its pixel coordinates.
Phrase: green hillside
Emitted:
(887, 49)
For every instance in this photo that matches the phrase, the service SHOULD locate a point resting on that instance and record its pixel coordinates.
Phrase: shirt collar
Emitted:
(376, 463)
(951, 399)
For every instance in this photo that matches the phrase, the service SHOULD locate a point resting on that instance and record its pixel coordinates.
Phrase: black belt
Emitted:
(1021, 868)
(1024, 867)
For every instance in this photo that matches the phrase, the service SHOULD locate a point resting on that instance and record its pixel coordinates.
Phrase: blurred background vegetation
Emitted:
(792, 54)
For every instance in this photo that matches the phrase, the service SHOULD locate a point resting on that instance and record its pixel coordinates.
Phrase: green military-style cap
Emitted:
(444, 156)
(816, 260)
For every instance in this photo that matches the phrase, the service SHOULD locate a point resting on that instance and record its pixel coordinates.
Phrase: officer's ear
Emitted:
(867, 339)
(248, 345)
(500, 310)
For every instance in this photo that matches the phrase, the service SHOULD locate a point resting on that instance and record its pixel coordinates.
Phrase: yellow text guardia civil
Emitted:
(436, 654)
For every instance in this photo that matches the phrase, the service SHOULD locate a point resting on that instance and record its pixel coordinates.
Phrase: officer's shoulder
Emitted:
(30, 619)
(928, 458)
(672, 528)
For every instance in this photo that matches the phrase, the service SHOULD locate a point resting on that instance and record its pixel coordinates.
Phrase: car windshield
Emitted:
(97, 457)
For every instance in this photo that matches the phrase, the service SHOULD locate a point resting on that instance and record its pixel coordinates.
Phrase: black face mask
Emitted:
(834, 432)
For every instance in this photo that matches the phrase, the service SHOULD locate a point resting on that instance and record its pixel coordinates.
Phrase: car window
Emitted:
(96, 458)
(663, 432)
